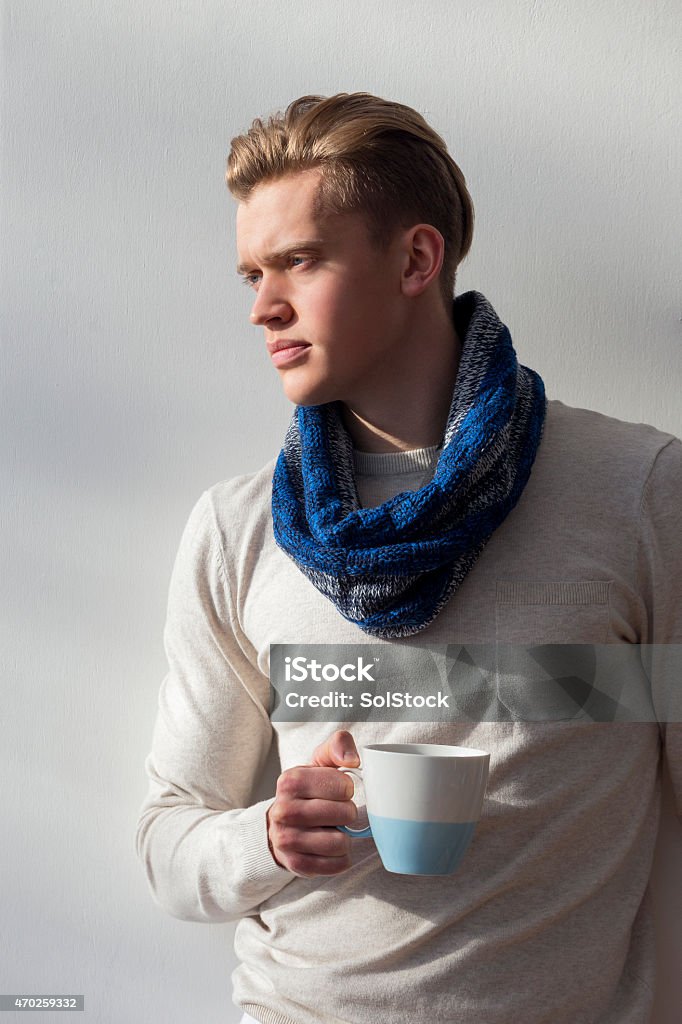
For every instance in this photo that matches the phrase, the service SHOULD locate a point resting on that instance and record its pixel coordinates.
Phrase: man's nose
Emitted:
(270, 307)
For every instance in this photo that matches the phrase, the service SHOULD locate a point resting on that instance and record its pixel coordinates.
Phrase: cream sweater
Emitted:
(547, 917)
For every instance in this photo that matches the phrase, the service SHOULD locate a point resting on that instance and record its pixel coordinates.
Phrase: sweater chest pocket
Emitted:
(547, 634)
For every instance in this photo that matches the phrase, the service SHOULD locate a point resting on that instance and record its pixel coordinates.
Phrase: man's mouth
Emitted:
(285, 351)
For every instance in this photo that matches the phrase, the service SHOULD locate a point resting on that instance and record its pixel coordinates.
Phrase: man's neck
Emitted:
(369, 437)
(412, 408)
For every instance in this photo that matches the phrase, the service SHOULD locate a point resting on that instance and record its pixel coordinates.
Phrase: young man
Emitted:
(427, 495)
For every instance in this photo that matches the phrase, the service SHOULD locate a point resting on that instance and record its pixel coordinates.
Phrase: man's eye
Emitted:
(250, 279)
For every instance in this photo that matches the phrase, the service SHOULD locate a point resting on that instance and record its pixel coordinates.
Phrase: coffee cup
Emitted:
(423, 803)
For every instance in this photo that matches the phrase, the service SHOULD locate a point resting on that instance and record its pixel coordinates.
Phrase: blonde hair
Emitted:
(375, 157)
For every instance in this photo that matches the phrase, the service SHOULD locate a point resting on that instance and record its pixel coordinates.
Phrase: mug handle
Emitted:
(355, 833)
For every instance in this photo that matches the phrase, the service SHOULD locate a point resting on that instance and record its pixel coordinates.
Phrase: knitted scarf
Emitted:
(391, 569)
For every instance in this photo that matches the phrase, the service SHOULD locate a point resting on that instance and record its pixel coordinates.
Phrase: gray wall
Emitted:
(131, 378)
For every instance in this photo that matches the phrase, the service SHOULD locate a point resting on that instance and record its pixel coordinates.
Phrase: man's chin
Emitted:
(309, 396)
(312, 402)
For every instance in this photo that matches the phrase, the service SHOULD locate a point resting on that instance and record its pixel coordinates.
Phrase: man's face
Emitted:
(329, 301)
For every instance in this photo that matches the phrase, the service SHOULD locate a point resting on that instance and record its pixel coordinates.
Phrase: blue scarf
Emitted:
(391, 569)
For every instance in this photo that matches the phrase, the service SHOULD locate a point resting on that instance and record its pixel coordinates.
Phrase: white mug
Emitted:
(423, 803)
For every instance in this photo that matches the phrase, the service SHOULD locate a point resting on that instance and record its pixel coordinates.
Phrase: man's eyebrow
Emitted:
(281, 255)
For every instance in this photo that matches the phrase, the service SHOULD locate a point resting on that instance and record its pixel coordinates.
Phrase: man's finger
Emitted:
(307, 782)
(312, 813)
(338, 751)
(308, 866)
(319, 842)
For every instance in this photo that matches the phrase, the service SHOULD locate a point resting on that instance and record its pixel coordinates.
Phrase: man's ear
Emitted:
(423, 253)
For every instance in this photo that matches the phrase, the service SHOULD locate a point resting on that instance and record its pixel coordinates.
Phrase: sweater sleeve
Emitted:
(204, 849)
(660, 581)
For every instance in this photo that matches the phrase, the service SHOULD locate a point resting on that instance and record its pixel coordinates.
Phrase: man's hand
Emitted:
(310, 800)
